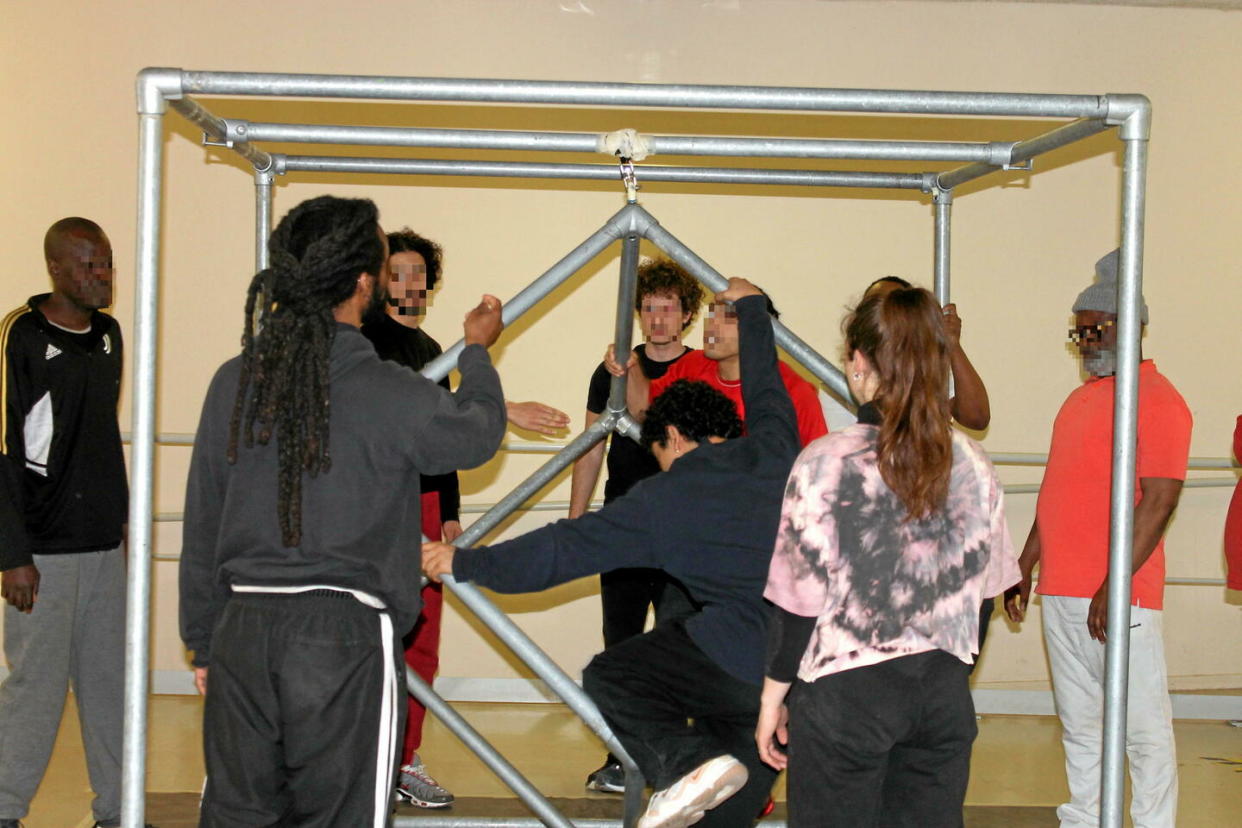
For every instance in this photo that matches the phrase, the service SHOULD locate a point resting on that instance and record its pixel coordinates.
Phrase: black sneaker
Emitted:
(610, 778)
(10, 823)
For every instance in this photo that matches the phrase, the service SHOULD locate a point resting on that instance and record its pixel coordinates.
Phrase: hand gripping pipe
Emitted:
(518, 642)
(828, 373)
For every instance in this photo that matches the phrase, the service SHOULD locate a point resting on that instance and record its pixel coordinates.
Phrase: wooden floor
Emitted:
(1017, 763)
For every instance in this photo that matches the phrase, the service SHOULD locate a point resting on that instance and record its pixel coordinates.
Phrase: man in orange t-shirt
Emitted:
(1069, 541)
(719, 365)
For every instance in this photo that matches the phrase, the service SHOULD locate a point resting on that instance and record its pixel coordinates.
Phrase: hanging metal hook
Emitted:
(629, 179)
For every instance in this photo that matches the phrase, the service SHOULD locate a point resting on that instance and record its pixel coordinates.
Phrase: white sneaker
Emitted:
(686, 800)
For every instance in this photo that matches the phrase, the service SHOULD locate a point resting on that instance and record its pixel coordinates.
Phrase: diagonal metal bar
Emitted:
(217, 129)
(517, 641)
(1024, 151)
(803, 353)
(624, 333)
(527, 489)
(526, 299)
(471, 738)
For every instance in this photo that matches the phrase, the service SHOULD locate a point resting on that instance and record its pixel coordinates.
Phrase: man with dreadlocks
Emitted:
(298, 566)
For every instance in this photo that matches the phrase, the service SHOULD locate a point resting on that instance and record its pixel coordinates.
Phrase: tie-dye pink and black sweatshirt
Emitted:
(882, 587)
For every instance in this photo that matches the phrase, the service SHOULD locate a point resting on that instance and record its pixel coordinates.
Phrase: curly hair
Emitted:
(317, 253)
(696, 409)
(902, 336)
(406, 240)
(664, 277)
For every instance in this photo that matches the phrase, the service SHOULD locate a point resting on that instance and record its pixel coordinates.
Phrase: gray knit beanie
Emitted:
(1102, 294)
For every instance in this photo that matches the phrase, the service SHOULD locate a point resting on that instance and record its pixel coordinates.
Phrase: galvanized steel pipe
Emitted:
(1121, 524)
(601, 172)
(644, 95)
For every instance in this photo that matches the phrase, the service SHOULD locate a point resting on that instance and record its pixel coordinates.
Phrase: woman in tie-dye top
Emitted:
(891, 533)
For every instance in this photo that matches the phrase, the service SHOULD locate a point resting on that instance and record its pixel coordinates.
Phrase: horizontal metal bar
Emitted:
(600, 172)
(462, 821)
(483, 139)
(644, 95)
(1024, 151)
(1023, 458)
(215, 127)
(563, 505)
(1192, 483)
(998, 458)
(1195, 581)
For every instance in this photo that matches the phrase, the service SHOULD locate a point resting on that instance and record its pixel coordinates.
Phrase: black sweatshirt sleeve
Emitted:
(788, 635)
(14, 540)
(618, 535)
(466, 427)
(446, 486)
(770, 415)
(202, 596)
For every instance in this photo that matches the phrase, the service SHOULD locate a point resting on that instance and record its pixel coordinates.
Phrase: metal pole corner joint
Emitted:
(1132, 112)
(155, 86)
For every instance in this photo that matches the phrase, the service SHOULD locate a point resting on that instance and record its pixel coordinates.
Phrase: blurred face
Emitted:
(407, 288)
(1095, 335)
(82, 272)
(720, 331)
(661, 318)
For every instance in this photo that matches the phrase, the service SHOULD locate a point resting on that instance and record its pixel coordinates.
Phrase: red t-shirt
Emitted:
(696, 366)
(1073, 506)
(1233, 523)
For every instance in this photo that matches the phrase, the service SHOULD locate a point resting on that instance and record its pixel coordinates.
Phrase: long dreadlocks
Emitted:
(317, 253)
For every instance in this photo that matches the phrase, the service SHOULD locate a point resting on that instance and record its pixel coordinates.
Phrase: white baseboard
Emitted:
(533, 691)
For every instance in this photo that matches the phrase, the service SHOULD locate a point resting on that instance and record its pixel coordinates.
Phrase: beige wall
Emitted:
(1021, 252)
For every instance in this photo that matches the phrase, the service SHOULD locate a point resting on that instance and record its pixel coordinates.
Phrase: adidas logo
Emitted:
(52, 351)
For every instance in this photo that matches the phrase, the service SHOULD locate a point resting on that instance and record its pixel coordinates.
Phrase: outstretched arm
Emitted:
(619, 535)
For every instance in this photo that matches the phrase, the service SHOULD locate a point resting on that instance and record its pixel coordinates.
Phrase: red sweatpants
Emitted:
(422, 644)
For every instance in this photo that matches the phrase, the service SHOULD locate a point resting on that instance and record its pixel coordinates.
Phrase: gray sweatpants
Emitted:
(76, 632)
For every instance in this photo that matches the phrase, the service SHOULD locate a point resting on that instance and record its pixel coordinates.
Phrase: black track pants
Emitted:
(300, 720)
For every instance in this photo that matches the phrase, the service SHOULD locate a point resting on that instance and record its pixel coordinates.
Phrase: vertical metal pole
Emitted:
(142, 456)
(944, 209)
(1125, 429)
(944, 213)
(262, 216)
(625, 316)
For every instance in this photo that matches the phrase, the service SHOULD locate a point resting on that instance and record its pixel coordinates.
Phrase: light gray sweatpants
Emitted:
(76, 632)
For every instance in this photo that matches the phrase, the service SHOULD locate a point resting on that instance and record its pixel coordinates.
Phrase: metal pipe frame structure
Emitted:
(160, 88)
